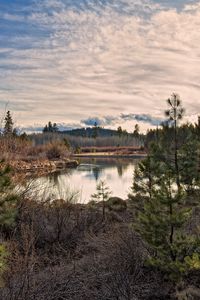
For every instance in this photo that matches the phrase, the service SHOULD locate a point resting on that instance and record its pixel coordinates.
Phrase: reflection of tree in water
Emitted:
(56, 187)
(121, 169)
(53, 178)
(121, 165)
(96, 172)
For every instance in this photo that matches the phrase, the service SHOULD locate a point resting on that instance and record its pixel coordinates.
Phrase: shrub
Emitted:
(56, 151)
(116, 204)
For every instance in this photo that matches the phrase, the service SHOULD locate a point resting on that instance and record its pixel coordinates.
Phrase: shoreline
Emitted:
(45, 166)
(109, 155)
(41, 167)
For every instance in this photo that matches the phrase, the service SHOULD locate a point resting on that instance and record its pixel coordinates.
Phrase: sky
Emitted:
(115, 62)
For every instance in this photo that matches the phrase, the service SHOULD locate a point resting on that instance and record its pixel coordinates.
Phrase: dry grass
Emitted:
(16, 149)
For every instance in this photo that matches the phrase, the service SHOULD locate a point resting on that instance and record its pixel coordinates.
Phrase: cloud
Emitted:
(37, 128)
(192, 7)
(143, 118)
(67, 60)
(107, 121)
(103, 121)
(12, 17)
(123, 118)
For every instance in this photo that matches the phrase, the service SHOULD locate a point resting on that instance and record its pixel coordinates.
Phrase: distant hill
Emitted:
(91, 132)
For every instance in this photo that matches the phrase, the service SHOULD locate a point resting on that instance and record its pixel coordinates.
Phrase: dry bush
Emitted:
(115, 268)
(56, 151)
(12, 148)
(42, 248)
(22, 265)
(17, 148)
(64, 251)
(51, 150)
(35, 153)
(61, 225)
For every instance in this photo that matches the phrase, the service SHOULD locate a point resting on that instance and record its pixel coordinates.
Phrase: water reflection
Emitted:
(80, 183)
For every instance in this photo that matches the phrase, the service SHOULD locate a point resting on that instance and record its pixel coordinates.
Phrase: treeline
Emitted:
(185, 132)
(93, 132)
(91, 136)
(78, 142)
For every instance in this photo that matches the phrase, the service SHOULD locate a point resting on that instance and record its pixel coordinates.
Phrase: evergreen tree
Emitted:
(103, 193)
(95, 131)
(24, 136)
(8, 213)
(119, 131)
(14, 133)
(8, 124)
(197, 129)
(3, 262)
(161, 220)
(175, 113)
(8, 199)
(136, 131)
(162, 225)
(145, 177)
(45, 129)
(189, 166)
(50, 128)
(124, 132)
(55, 128)
(163, 181)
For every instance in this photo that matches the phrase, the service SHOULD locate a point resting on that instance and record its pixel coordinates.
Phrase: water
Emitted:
(80, 183)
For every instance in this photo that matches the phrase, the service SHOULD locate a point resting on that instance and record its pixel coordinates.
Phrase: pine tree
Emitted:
(24, 136)
(45, 129)
(119, 131)
(162, 225)
(3, 262)
(162, 181)
(136, 131)
(103, 193)
(197, 129)
(55, 127)
(147, 176)
(95, 131)
(49, 128)
(189, 165)
(8, 213)
(8, 124)
(175, 113)
(8, 200)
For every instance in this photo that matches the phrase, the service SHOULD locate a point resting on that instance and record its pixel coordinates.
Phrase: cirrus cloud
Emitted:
(66, 60)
